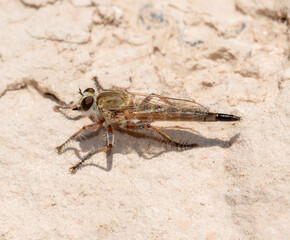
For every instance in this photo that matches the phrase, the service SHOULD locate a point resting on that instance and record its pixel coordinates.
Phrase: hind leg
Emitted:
(162, 134)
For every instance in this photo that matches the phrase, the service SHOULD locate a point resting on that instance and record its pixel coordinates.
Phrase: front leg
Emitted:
(68, 111)
(73, 137)
(110, 140)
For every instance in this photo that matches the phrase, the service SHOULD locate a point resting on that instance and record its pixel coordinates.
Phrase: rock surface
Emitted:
(232, 56)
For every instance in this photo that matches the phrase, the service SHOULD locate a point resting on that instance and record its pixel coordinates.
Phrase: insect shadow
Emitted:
(146, 144)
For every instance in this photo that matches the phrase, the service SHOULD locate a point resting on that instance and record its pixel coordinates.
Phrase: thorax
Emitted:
(110, 103)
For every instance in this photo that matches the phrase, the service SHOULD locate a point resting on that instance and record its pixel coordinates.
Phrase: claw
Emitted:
(59, 149)
(73, 169)
(56, 108)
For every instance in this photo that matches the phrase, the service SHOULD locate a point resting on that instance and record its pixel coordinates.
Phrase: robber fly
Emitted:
(134, 111)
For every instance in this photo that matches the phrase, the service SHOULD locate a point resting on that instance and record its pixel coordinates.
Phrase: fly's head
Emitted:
(87, 103)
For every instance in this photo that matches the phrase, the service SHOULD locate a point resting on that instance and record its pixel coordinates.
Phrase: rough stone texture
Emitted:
(37, 3)
(230, 55)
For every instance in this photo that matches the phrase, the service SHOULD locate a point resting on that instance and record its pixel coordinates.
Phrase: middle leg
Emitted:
(73, 137)
(110, 140)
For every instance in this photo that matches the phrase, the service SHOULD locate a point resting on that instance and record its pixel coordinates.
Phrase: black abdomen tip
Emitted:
(226, 117)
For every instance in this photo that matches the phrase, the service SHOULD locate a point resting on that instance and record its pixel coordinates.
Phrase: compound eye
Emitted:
(87, 103)
(90, 90)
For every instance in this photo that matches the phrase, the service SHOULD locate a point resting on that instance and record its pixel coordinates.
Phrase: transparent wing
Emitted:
(155, 107)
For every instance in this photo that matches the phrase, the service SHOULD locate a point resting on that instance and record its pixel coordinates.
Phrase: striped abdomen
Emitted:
(175, 114)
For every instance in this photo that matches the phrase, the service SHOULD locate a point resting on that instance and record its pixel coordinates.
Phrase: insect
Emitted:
(133, 111)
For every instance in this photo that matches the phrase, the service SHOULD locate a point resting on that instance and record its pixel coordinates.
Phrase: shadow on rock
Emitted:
(146, 144)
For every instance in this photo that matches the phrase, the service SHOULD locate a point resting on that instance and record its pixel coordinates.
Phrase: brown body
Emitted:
(121, 105)
(135, 112)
